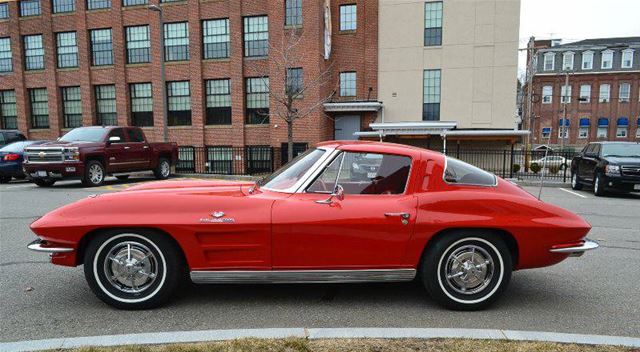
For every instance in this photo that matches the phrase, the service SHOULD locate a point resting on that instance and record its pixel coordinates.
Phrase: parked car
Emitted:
(10, 136)
(551, 161)
(92, 153)
(608, 166)
(11, 157)
(458, 229)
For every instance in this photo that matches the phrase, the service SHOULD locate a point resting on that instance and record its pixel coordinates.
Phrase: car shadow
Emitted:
(109, 181)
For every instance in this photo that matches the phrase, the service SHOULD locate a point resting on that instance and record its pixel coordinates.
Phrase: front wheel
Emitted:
(163, 170)
(133, 269)
(575, 181)
(466, 270)
(598, 186)
(94, 174)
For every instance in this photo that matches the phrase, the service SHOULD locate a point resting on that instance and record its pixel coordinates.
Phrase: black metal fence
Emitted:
(259, 160)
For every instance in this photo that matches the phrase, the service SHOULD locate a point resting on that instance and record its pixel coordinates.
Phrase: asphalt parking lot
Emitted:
(598, 293)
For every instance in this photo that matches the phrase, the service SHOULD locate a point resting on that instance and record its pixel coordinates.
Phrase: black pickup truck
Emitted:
(608, 166)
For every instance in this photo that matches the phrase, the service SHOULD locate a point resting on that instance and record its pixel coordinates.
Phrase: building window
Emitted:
(4, 11)
(106, 105)
(583, 132)
(33, 52)
(220, 160)
(67, 49)
(141, 104)
(8, 110)
(549, 61)
(138, 44)
(565, 94)
(134, 2)
(259, 159)
(5, 55)
(627, 58)
(587, 60)
(218, 102)
(605, 92)
(30, 8)
(547, 94)
(621, 130)
(607, 59)
(39, 107)
(563, 132)
(348, 17)
(585, 93)
(215, 38)
(61, 6)
(431, 96)
(256, 36)
(348, 84)
(625, 92)
(101, 47)
(433, 23)
(546, 132)
(98, 4)
(71, 107)
(176, 41)
(603, 128)
(293, 13)
(257, 111)
(567, 61)
(179, 102)
(295, 82)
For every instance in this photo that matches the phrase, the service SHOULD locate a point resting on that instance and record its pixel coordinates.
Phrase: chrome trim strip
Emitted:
(577, 251)
(302, 276)
(37, 247)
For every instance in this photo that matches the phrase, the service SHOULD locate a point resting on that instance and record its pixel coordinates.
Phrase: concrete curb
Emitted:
(328, 333)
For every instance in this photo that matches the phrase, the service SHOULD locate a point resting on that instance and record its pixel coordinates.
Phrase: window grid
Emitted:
(294, 81)
(257, 100)
(583, 132)
(98, 4)
(607, 59)
(567, 61)
(547, 94)
(587, 60)
(71, 107)
(431, 103)
(67, 49)
(348, 84)
(141, 104)
(348, 17)
(549, 61)
(433, 23)
(627, 58)
(624, 94)
(293, 13)
(218, 102)
(605, 92)
(101, 47)
(4, 10)
(256, 36)
(565, 94)
(30, 8)
(138, 44)
(176, 41)
(61, 6)
(8, 110)
(179, 103)
(216, 39)
(39, 107)
(585, 93)
(106, 105)
(6, 64)
(134, 2)
(33, 52)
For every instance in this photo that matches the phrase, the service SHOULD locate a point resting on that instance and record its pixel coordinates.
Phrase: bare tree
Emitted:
(289, 106)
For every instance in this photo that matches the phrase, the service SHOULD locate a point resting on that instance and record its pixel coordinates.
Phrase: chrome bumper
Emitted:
(577, 250)
(37, 246)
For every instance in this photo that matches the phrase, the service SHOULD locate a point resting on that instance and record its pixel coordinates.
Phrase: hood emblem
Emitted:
(41, 154)
(217, 214)
(217, 217)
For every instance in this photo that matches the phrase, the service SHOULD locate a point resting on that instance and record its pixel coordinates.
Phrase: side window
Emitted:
(459, 172)
(118, 132)
(2, 138)
(596, 149)
(135, 135)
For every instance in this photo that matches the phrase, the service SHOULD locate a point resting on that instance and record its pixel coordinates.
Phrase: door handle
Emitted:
(405, 216)
(127, 147)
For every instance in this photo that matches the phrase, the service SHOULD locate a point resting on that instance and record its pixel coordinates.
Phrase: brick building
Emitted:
(603, 95)
(69, 63)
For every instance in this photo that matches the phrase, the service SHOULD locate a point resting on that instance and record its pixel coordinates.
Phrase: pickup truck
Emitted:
(92, 153)
(608, 166)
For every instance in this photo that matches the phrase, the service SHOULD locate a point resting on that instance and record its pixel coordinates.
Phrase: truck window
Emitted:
(118, 132)
(135, 135)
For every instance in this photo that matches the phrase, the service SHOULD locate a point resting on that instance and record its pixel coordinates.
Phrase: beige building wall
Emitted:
(478, 61)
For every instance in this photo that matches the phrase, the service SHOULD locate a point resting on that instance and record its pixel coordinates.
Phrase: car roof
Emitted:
(381, 147)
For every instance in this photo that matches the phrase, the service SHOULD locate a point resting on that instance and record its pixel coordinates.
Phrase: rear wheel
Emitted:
(43, 182)
(575, 181)
(598, 186)
(94, 173)
(163, 170)
(466, 270)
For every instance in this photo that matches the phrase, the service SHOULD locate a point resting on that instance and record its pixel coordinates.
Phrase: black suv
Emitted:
(10, 136)
(608, 166)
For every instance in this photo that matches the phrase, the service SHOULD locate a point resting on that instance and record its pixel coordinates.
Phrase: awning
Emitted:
(352, 106)
(567, 122)
(623, 121)
(409, 128)
(546, 130)
(585, 121)
(603, 121)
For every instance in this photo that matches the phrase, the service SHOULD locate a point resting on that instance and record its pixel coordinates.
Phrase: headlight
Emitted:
(71, 154)
(612, 170)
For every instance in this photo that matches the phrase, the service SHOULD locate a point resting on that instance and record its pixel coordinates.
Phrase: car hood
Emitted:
(621, 160)
(189, 184)
(61, 144)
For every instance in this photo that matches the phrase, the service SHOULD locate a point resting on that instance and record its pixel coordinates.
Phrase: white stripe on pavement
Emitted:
(574, 193)
(329, 333)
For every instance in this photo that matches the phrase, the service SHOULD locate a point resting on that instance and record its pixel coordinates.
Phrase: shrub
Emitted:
(554, 169)
(516, 168)
(535, 168)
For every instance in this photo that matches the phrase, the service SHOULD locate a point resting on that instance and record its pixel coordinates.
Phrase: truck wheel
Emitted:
(598, 186)
(466, 270)
(163, 170)
(43, 182)
(575, 181)
(94, 174)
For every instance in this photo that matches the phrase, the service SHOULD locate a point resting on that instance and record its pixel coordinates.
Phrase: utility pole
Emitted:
(165, 111)
(563, 125)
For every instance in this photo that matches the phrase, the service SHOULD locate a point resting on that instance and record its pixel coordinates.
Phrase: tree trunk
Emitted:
(289, 140)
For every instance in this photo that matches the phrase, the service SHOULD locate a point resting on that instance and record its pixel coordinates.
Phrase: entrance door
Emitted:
(346, 126)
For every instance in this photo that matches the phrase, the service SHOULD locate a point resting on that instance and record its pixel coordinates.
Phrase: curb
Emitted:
(328, 333)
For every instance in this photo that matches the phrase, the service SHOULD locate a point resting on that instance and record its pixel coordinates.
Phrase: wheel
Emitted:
(163, 170)
(466, 270)
(94, 173)
(134, 269)
(575, 181)
(43, 182)
(598, 186)
(5, 179)
(122, 177)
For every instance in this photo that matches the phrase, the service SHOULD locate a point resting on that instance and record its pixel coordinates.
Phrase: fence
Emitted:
(259, 160)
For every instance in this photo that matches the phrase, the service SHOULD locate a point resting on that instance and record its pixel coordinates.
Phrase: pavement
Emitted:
(597, 293)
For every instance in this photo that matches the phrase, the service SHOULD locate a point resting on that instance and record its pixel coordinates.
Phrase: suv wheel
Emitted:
(163, 170)
(598, 186)
(575, 181)
(94, 173)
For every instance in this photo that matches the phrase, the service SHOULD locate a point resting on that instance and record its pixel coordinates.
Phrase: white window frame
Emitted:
(622, 131)
(585, 93)
(563, 132)
(547, 94)
(626, 97)
(567, 66)
(565, 94)
(583, 132)
(602, 129)
(551, 56)
(626, 52)
(607, 99)
(587, 54)
(609, 55)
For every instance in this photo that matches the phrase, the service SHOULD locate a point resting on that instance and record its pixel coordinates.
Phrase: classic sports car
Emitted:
(458, 229)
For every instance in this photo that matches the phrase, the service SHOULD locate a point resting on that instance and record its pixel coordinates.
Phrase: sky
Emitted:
(573, 20)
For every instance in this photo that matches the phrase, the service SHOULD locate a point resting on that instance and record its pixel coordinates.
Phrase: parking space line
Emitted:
(574, 193)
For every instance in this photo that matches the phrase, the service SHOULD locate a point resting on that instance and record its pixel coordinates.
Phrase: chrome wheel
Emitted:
(165, 169)
(469, 269)
(96, 174)
(596, 185)
(574, 180)
(130, 267)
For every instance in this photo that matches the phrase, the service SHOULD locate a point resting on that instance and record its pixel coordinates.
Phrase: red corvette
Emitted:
(341, 212)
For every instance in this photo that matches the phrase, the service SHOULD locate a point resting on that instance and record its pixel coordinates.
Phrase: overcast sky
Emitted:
(572, 20)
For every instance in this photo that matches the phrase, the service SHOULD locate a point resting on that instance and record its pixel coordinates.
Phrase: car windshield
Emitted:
(85, 135)
(18, 147)
(632, 150)
(293, 171)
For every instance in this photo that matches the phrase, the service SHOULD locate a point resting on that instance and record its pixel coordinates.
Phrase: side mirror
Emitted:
(114, 139)
(338, 193)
